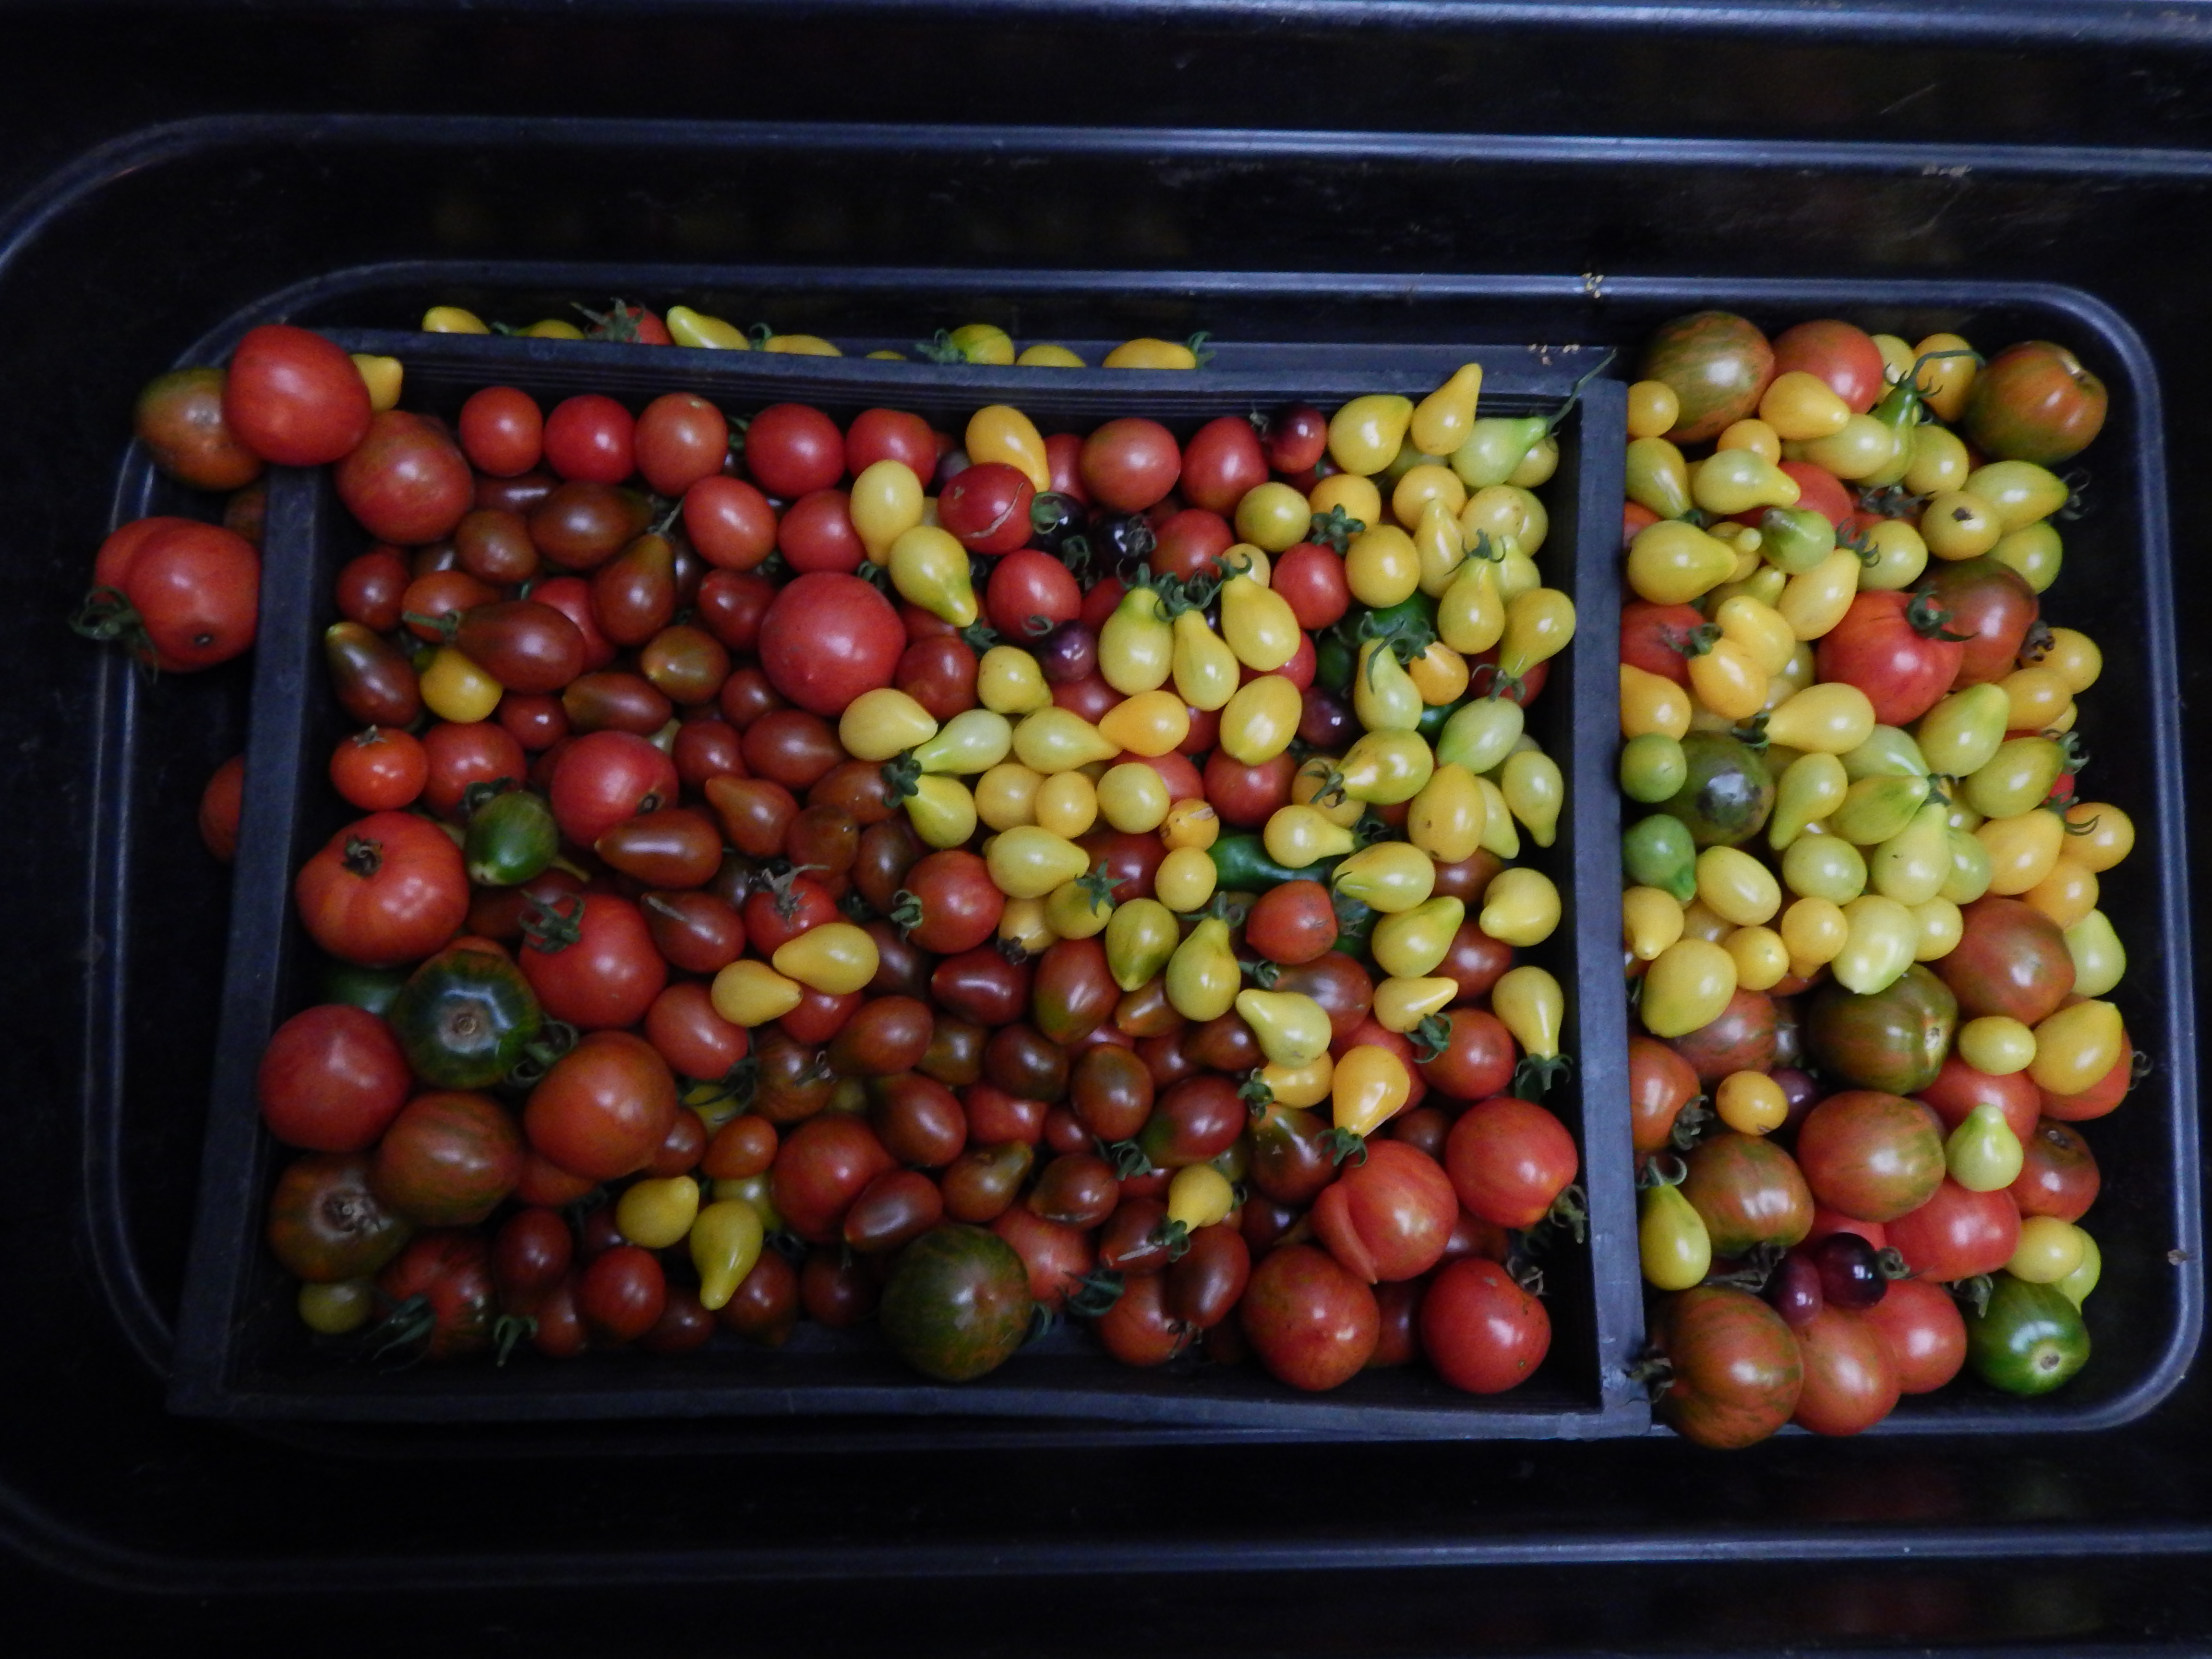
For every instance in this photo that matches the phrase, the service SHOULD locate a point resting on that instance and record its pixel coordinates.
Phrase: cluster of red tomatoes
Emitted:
(1862, 920)
(726, 939)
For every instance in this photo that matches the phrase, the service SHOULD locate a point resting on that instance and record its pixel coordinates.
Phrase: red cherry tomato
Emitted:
(1480, 1330)
(1030, 594)
(386, 890)
(1223, 460)
(502, 431)
(593, 438)
(591, 960)
(332, 1078)
(794, 450)
(1130, 464)
(1509, 1160)
(1311, 580)
(680, 440)
(817, 534)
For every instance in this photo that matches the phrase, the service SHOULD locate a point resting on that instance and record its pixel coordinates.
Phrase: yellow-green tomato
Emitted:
(1140, 935)
(2099, 959)
(2077, 1284)
(1881, 946)
(1672, 1243)
(1136, 647)
(973, 741)
(2077, 1046)
(1273, 516)
(2020, 492)
(1389, 877)
(1831, 718)
(880, 723)
(1471, 610)
(1653, 767)
(1940, 928)
(1962, 733)
(1366, 434)
(1292, 1028)
(1258, 624)
(1296, 835)
(941, 811)
(1737, 886)
(1205, 669)
(1185, 879)
(1382, 567)
(1446, 819)
(1133, 797)
(655, 1213)
(1824, 867)
(1402, 1003)
(2035, 553)
(1481, 734)
(1731, 480)
(1899, 556)
(1534, 792)
(1650, 920)
(1384, 768)
(1997, 1044)
(725, 1243)
(1672, 562)
(1384, 696)
(1441, 421)
(2048, 1250)
(1202, 976)
(1982, 1153)
(343, 1305)
(1685, 987)
(1969, 875)
(1261, 720)
(1810, 787)
(1411, 943)
(1912, 865)
(1028, 862)
(1009, 682)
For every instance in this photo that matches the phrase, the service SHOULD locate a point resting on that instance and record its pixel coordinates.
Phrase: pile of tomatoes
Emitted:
(1862, 914)
(938, 877)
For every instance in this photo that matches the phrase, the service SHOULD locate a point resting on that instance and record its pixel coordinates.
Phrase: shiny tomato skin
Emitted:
(590, 437)
(1481, 1331)
(294, 397)
(1737, 1372)
(1030, 594)
(456, 754)
(1654, 637)
(828, 637)
(1189, 542)
(622, 1293)
(450, 1271)
(960, 904)
(196, 588)
(1477, 1057)
(1247, 796)
(2059, 1174)
(680, 438)
(331, 1079)
(604, 1108)
(2010, 959)
(1873, 1156)
(1130, 464)
(825, 1165)
(1312, 582)
(817, 533)
(1313, 1325)
(1821, 491)
(792, 449)
(1840, 354)
(572, 597)
(448, 1160)
(1140, 1329)
(1293, 922)
(1925, 1331)
(1221, 462)
(1902, 671)
(406, 481)
(608, 975)
(682, 1026)
(1660, 1083)
(386, 890)
(1748, 1191)
(1389, 1217)
(604, 778)
(986, 507)
(1509, 1160)
(1957, 1234)
(1851, 1380)
(890, 434)
(502, 431)
(730, 523)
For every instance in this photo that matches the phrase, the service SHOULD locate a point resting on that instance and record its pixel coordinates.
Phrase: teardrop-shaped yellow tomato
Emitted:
(1673, 1246)
(973, 741)
(879, 723)
(1009, 682)
(1438, 547)
(1445, 819)
(725, 1243)
(1384, 696)
(1384, 768)
(1295, 837)
(887, 502)
(1412, 942)
(1029, 862)
(1258, 723)
(1292, 1028)
(1370, 1087)
(1831, 718)
(1688, 986)
(1471, 611)
(999, 432)
(1258, 624)
(836, 958)
(1057, 739)
(1534, 792)
(1367, 432)
(1402, 1003)
(748, 992)
(1150, 723)
(1480, 735)
(1672, 562)
(1202, 976)
(1533, 1007)
(1136, 647)
(1389, 877)
(1441, 421)
(1520, 907)
(1205, 669)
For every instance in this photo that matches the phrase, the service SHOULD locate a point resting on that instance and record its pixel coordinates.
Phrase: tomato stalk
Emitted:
(363, 857)
(1534, 1074)
(545, 926)
(1974, 1292)
(1344, 1144)
(1255, 1092)
(106, 615)
(1093, 1294)
(1431, 1037)
(1335, 528)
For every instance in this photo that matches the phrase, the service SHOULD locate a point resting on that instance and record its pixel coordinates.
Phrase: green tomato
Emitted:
(1652, 768)
(1658, 852)
(2029, 1340)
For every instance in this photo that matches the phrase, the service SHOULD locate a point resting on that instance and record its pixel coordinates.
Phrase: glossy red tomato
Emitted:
(827, 638)
(1313, 1325)
(729, 522)
(331, 1079)
(1925, 1331)
(1841, 353)
(1056, 1256)
(572, 597)
(448, 1160)
(222, 803)
(1480, 1330)
(680, 439)
(1131, 463)
(1388, 1216)
(406, 481)
(1957, 1234)
(939, 674)
(603, 778)
(447, 1275)
(959, 904)
(1294, 921)
(793, 449)
(890, 434)
(456, 754)
(1660, 1083)
(1189, 542)
(1871, 1155)
(1655, 638)
(1221, 462)
(622, 1293)
(591, 960)
(183, 595)
(1821, 491)
(1509, 1160)
(1312, 582)
(1247, 796)
(817, 533)
(1477, 1057)
(826, 1162)
(1030, 594)
(502, 431)
(604, 1108)
(683, 1028)
(590, 437)
(386, 890)
(2010, 959)
(1851, 1380)
(294, 397)
(1892, 647)
(985, 507)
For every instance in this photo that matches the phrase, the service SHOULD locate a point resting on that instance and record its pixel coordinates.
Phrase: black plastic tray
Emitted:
(240, 1349)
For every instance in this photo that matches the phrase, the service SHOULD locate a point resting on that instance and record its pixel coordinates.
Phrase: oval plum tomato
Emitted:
(680, 439)
(1851, 1379)
(1221, 462)
(591, 960)
(890, 434)
(406, 481)
(604, 777)
(502, 431)
(1480, 1330)
(1957, 1234)
(1873, 1156)
(1130, 464)
(1842, 355)
(1030, 594)
(1140, 1329)
(792, 747)
(1313, 1324)
(1925, 1331)
(386, 890)
(985, 507)
(1509, 1160)
(446, 1276)
(1736, 1371)
(1388, 1216)
(1312, 582)
(622, 1293)
(182, 595)
(729, 522)
(572, 597)
(959, 905)
(294, 398)
(817, 533)
(331, 1079)
(793, 449)
(1477, 1059)
(448, 1160)
(827, 638)
(604, 1108)
(1896, 647)
(682, 1026)
(590, 437)
(825, 1164)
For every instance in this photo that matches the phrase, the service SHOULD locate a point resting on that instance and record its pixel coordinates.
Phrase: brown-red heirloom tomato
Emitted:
(406, 482)
(1748, 1191)
(2059, 1175)
(604, 1108)
(622, 1293)
(1477, 1057)
(1851, 1375)
(1057, 1256)
(826, 1162)
(1387, 1216)
(448, 1160)
(1660, 1083)
(1312, 1324)
(896, 1207)
(182, 594)
(765, 1307)
(2010, 959)
(1872, 1155)
(326, 1223)
(178, 417)
(450, 1272)
(917, 1119)
(1509, 1160)
(1740, 1038)
(983, 1181)
(1735, 1372)
(1140, 1329)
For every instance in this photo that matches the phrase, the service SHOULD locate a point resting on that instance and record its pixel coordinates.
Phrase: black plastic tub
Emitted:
(240, 1349)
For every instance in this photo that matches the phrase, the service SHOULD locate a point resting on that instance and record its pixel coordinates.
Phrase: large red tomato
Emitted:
(294, 398)
(1480, 1330)
(1389, 1217)
(1957, 1234)
(1873, 1156)
(1893, 646)
(1736, 1371)
(591, 961)
(605, 1108)
(182, 594)
(1842, 353)
(406, 481)
(1509, 1160)
(1718, 364)
(386, 890)
(827, 638)
(332, 1078)
(448, 1160)
(1313, 1324)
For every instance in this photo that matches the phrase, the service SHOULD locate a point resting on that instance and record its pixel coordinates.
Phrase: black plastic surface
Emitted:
(1842, 142)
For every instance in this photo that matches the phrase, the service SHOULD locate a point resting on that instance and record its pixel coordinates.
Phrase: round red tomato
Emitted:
(1477, 1060)
(985, 507)
(1655, 638)
(294, 397)
(456, 754)
(448, 1274)
(827, 638)
(378, 770)
(502, 431)
(1030, 594)
(603, 778)
(1957, 1234)
(590, 437)
(1841, 353)
(591, 960)
(1958, 1088)
(222, 802)
(406, 481)
(1388, 1216)
(604, 1108)
(1892, 647)
(817, 534)
(386, 890)
(1313, 1324)
(1851, 1375)
(183, 595)
(1294, 921)
(332, 1078)
(825, 1164)
(622, 1293)
(890, 434)
(793, 449)
(729, 522)
(1480, 1330)
(1821, 491)
(1873, 1156)
(1925, 1331)
(1221, 462)
(1509, 1160)
(1312, 582)
(448, 1160)
(680, 439)
(1130, 464)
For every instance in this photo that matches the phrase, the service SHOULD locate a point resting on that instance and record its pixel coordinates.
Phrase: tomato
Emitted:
(1509, 1160)
(222, 802)
(2059, 1175)
(1958, 1088)
(494, 545)
(1223, 460)
(1926, 1334)
(370, 586)
(406, 481)
(959, 905)
(572, 597)
(1718, 364)
(1312, 582)
(1313, 1324)
(1851, 1378)
(792, 747)
(683, 1028)
(1141, 1328)
(604, 777)
(825, 1164)
(331, 1079)
(1131, 463)
(183, 595)
(680, 438)
(1482, 1330)
(1893, 1040)
(1957, 1234)
(765, 1306)
(1388, 1216)
(502, 431)
(985, 507)
(893, 1210)
(828, 637)
(1247, 796)
(2032, 402)
(459, 754)
(591, 960)
(1872, 1155)
(1195, 1122)
(2029, 1340)
(1740, 1038)
(1893, 646)
(1073, 991)
(890, 434)
(939, 674)
(793, 450)
(1736, 1371)
(439, 1290)
(1294, 921)
(2011, 959)
(622, 1293)
(1655, 637)
(178, 417)
(531, 1255)
(448, 1160)
(1990, 603)
(326, 1224)
(1841, 354)
(1029, 594)
(590, 437)
(817, 533)
(1747, 1191)
(1660, 1083)
(294, 397)
(1205, 1285)
(603, 1108)
(2099, 1097)
(386, 890)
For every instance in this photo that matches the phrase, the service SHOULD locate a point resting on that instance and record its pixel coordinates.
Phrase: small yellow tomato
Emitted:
(800, 345)
(2035, 698)
(1751, 1102)
(2077, 1046)
(1650, 920)
(1446, 818)
(886, 502)
(1258, 624)
(2073, 657)
(1946, 365)
(687, 327)
(1021, 924)
(2099, 834)
(1422, 486)
(725, 1241)
(1652, 702)
(383, 376)
(1813, 602)
(1146, 352)
(1370, 1087)
(749, 992)
(836, 958)
(882, 722)
(1959, 525)
(1534, 792)
(1800, 407)
(1653, 409)
(2049, 1250)
(1273, 516)
(1384, 768)
(1356, 496)
(1737, 886)
(1440, 674)
(1318, 777)
(2023, 851)
(1185, 879)
(1295, 837)
(1389, 877)
(1686, 986)
(1727, 681)
(454, 689)
(1046, 356)
(1498, 833)
(2100, 961)
(1066, 804)
(453, 320)
(1520, 907)
(1133, 797)
(941, 811)
(1831, 718)
(1762, 960)
(1292, 1027)
(1402, 1003)
(1412, 942)
(1382, 567)
(1006, 795)
(999, 432)
(1471, 610)
(1258, 723)
(1202, 976)
(657, 1212)
(1150, 723)
(1079, 909)
(2067, 895)
(1672, 562)
(1441, 421)
(1192, 823)
(1367, 432)
(1997, 1044)
(1009, 682)
(1814, 930)
(1056, 739)
(1882, 943)
(1861, 448)
(972, 741)
(1027, 861)
(1754, 435)
(1300, 1085)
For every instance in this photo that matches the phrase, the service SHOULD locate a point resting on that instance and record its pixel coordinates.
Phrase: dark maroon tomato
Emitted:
(684, 1325)
(1022, 1062)
(1146, 1012)
(612, 700)
(1073, 991)
(2058, 1175)
(494, 545)
(1056, 1257)
(327, 1223)
(686, 664)
(2011, 959)
(1399, 1340)
(742, 1148)
(1063, 1133)
(697, 933)
(1164, 1059)
(448, 1158)
(939, 674)
(1265, 1223)
(704, 749)
(838, 1288)
(581, 524)
(1795, 1291)
(1425, 1128)
(982, 986)
(896, 1207)
(446, 1276)
(901, 970)
(1748, 1191)
(955, 1055)
(986, 507)
(572, 597)
(520, 494)
(1740, 1038)
(959, 904)
(1134, 1241)
(957, 1304)
(679, 1154)
(1194, 1123)
(1129, 860)
(1226, 1044)
(1068, 654)
(794, 1083)
(677, 847)
(370, 589)
(622, 1293)
(765, 1307)
(1295, 438)
(1078, 1189)
(1850, 1272)
(826, 1162)
(1140, 1329)
(1871, 1156)
(857, 788)
(557, 1328)
(1475, 960)
(918, 1119)
(791, 747)
(1312, 1324)
(888, 1035)
(1990, 603)
(634, 593)
(819, 1016)
(524, 645)
(1325, 721)
(982, 1182)
(1338, 984)
(1110, 1091)
(1736, 1373)
(530, 1256)
(1292, 1159)
(996, 1115)
(729, 606)
(684, 1031)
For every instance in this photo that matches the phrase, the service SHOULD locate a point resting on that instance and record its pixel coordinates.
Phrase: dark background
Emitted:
(1836, 140)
